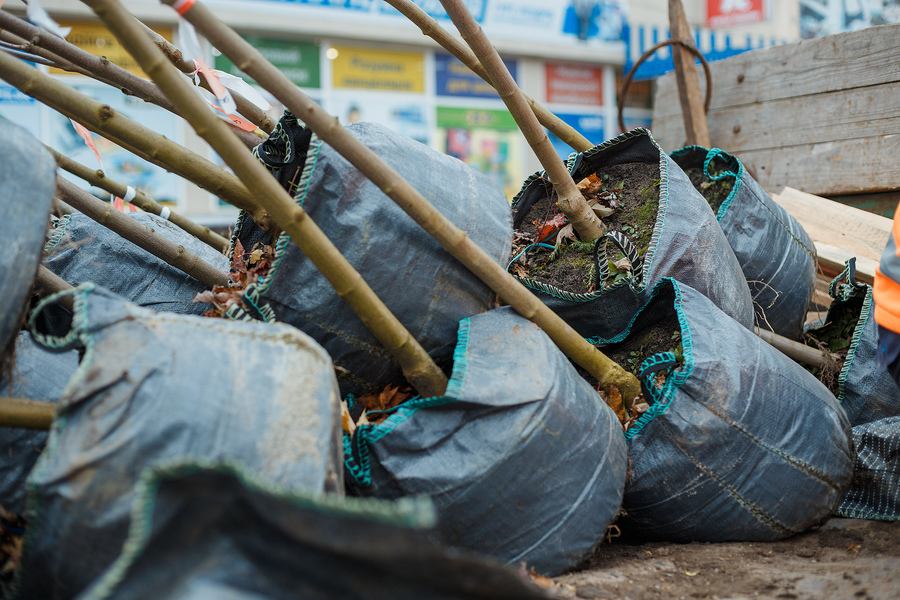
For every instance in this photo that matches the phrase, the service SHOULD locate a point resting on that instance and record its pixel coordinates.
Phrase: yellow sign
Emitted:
(378, 70)
(97, 40)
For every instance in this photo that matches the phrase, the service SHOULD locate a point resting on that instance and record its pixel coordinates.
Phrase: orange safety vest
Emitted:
(887, 281)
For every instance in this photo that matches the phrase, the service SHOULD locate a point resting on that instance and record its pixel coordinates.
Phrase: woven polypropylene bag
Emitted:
(687, 244)
(523, 460)
(155, 387)
(865, 393)
(740, 442)
(27, 186)
(424, 287)
(209, 530)
(875, 490)
(776, 255)
(80, 250)
(38, 375)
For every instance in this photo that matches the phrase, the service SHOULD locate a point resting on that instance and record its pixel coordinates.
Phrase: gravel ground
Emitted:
(843, 559)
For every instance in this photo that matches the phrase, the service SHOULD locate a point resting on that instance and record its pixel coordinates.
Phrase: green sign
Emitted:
(298, 61)
(475, 118)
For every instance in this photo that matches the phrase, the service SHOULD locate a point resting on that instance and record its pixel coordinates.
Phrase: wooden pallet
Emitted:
(822, 115)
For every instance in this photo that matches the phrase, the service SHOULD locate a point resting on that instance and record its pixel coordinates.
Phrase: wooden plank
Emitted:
(688, 83)
(837, 62)
(832, 261)
(841, 231)
(847, 167)
(829, 117)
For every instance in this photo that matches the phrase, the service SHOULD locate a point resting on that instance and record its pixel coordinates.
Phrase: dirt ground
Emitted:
(843, 559)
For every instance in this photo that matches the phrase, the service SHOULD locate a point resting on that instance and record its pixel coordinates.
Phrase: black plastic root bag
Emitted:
(740, 443)
(154, 387)
(80, 250)
(426, 288)
(875, 490)
(865, 393)
(687, 244)
(207, 531)
(777, 256)
(522, 458)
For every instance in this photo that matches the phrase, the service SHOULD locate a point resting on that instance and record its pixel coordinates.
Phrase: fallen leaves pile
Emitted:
(12, 533)
(247, 268)
(376, 406)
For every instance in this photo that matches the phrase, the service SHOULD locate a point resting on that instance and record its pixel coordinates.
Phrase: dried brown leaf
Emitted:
(623, 264)
(613, 398)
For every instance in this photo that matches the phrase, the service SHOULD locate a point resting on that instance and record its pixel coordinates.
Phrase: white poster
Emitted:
(21, 109)
(827, 17)
(405, 114)
(118, 164)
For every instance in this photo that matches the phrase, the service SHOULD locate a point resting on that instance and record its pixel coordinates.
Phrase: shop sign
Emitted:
(475, 118)
(298, 61)
(97, 40)
(378, 70)
(728, 13)
(574, 84)
(456, 79)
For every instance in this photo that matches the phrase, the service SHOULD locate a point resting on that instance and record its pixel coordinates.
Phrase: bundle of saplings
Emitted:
(733, 440)
(155, 387)
(427, 289)
(777, 256)
(37, 375)
(80, 250)
(523, 460)
(849, 333)
(212, 530)
(658, 226)
(875, 490)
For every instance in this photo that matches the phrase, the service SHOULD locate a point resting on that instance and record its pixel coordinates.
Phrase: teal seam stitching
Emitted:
(661, 213)
(259, 289)
(406, 512)
(371, 434)
(738, 178)
(854, 344)
(58, 233)
(677, 378)
(80, 328)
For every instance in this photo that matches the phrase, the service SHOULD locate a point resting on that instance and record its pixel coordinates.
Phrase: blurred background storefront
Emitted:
(362, 60)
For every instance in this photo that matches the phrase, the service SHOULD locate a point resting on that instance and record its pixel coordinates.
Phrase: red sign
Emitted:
(574, 84)
(727, 13)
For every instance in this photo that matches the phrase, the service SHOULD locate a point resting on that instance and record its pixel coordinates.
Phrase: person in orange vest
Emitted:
(886, 295)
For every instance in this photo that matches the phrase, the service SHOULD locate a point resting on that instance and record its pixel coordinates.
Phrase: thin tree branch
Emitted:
(140, 235)
(570, 200)
(451, 238)
(420, 370)
(141, 200)
(431, 28)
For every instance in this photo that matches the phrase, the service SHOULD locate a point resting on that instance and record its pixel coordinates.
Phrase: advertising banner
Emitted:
(298, 61)
(404, 114)
(486, 139)
(574, 84)
(97, 40)
(21, 109)
(728, 13)
(590, 126)
(378, 70)
(456, 79)
(118, 164)
(559, 22)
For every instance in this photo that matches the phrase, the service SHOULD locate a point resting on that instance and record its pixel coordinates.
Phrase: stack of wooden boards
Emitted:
(819, 116)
